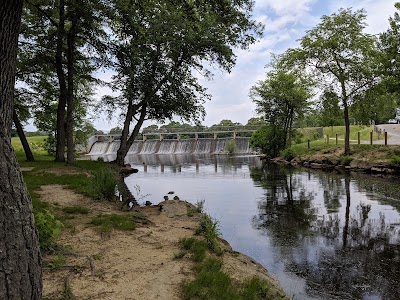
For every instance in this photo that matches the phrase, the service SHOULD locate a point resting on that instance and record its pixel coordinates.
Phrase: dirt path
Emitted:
(125, 265)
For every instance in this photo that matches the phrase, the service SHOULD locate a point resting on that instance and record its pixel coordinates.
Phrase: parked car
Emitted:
(392, 121)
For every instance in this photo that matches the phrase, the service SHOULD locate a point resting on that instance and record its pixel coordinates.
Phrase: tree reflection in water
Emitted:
(342, 253)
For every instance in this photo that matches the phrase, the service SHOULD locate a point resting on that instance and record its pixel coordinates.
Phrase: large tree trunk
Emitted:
(62, 101)
(22, 137)
(20, 261)
(126, 142)
(70, 94)
(346, 120)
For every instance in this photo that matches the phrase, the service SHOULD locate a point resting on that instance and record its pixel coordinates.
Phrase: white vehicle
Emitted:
(392, 121)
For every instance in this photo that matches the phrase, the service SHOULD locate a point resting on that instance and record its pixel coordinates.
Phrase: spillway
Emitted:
(185, 146)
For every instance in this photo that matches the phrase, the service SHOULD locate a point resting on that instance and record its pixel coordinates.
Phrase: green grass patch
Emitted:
(57, 262)
(113, 221)
(212, 282)
(209, 229)
(76, 210)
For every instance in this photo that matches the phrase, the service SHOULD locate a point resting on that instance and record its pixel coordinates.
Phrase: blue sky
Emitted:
(285, 22)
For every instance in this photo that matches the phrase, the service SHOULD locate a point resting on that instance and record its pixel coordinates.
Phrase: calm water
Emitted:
(322, 235)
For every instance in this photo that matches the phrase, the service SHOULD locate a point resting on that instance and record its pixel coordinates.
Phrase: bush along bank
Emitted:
(371, 159)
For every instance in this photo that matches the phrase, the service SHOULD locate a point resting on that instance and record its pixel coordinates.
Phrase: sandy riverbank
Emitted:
(136, 264)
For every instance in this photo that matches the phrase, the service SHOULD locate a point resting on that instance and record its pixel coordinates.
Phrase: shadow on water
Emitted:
(344, 248)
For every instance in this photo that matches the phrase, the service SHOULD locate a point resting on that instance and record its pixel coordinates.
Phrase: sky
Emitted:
(286, 21)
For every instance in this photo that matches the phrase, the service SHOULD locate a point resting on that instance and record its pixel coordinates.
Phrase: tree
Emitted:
(160, 44)
(115, 130)
(282, 98)
(63, 39)
(269, 139)
(342, 55)
(20, 261)
(329, 110)
(389, 45)
(256, 122)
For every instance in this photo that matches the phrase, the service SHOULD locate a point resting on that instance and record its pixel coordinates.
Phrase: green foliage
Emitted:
(50, 144)
(104, 183)
(213, 283)
(209, 229)
(288, 154)
(230, 146)
(196, 247)
(108, 222)
(57, 262)
(76, 210)
(270, 140)
(48, 228)
(345, 159)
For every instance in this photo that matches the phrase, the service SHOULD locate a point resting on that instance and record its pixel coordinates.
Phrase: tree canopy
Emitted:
(342, 56)
(158, 48)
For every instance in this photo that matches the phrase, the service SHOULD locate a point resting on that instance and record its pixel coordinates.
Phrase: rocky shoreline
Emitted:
(335, 162)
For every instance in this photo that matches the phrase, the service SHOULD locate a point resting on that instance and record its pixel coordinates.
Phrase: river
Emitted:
(321, 235)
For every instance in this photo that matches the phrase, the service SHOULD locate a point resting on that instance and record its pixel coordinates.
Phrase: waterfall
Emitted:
(167, 146)
(150, 147)
(113, 147)
(184, 146)
(136, 147)
(242, 145)
(220, 146)
(204, 146)
(99, 148)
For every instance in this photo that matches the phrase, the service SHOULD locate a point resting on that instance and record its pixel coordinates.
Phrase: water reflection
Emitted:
(344, 248)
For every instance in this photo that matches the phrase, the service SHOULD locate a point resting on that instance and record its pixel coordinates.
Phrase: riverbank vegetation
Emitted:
(330, 81)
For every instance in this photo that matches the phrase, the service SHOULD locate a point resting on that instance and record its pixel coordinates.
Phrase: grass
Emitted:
(114, 221)
(354, 129)
(211, 282)
(76, 210)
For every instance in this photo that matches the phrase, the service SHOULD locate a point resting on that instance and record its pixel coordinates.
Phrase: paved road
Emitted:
(393, 131)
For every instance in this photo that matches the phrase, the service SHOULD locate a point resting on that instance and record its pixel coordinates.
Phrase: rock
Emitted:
(166, 198)
(176, 198)
(174, 208)
(148, 203)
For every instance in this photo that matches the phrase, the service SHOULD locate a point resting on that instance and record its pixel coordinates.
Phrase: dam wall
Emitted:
(184, 146)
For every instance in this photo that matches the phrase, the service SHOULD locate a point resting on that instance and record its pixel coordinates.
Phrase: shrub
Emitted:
(230, 146)
(103, 184)
(288, 154)
(48, 228)
(270, 140)
(209, 229)
(345, 159)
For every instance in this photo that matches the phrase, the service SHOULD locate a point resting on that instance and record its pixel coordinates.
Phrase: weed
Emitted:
(209, 229)
(76, 210)
(48, 228)
(103, 184)
(57, 262)
(180, 254)
(108, 222)
(196, 247)
(345, 160)
(230, 146)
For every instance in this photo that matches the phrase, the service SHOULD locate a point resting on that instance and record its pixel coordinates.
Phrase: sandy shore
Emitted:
(136, 264)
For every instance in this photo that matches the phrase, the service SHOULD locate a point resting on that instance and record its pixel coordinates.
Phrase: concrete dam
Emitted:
(173, 146)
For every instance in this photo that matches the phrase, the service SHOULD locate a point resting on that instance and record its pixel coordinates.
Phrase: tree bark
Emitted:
(126, 142)
(62, 101)
(20, 261)
(346, 120)
(70, 90)
(22, 137)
